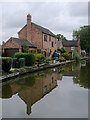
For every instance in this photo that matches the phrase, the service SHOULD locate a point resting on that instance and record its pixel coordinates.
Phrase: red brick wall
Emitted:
(78, 49)
(68, 48)
(36, 37)
(23, 33)
(48, 44)
(11, 43)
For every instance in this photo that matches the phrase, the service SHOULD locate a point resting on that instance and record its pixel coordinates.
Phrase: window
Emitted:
(52, 44)
(49, 38)
(45, 37)
(55, 40)
(52, 79)
(45, 89)
(49, 86)
(55, 82)
(72, 48)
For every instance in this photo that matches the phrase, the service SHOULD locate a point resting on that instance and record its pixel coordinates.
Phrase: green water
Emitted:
(61, 92)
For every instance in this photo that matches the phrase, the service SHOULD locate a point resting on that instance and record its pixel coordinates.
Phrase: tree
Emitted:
(62, 37)
(84, 33)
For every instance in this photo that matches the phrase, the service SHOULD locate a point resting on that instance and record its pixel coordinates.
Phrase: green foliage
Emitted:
(26, 81)
(6, 63)
(61, 59)
(76, 56)
(25, 48)
(84, 33)
(29, 58)
(67, 56)
(62, 37)
(62, 50)
(39, 57)
(46, 60)
(21, 62)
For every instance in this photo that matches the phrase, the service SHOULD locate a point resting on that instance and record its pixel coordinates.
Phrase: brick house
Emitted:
(71, 45)
(43, 38)
(33, 35)
(14, 45)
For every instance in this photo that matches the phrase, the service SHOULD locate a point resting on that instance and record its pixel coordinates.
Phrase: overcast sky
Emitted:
(59, 17)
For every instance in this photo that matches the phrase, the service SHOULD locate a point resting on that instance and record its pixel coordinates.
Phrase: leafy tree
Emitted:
(62, 37)
(84, 33)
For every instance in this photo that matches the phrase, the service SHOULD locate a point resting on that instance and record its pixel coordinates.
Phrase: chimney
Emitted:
(60, 42)
(29, 27)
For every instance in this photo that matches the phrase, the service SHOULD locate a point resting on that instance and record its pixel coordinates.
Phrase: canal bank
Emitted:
(26, 70)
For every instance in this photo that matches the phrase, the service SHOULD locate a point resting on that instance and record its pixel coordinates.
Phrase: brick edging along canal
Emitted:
(31, 70)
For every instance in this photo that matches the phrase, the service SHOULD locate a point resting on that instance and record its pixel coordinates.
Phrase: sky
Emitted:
(58, 17)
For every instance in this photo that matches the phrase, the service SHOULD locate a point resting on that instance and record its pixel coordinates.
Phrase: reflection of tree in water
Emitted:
(84, 76)
(6, 91)
(26, 81)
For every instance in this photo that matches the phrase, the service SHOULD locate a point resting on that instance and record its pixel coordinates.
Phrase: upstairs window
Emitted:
(55, 40)
(45, 37)
(49, 38)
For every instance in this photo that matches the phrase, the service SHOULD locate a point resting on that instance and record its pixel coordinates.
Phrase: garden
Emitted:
(25, 60)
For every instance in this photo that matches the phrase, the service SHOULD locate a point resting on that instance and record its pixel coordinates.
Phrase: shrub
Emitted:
(62, 50)
(67, 55)
(76, 56)
(29, 58)
(6, 63)
(21, 62)
(61, 59)
(46, 60)
(39, 57)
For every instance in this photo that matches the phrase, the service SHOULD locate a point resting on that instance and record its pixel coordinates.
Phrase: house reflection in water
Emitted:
(31, 88)
(31, 92)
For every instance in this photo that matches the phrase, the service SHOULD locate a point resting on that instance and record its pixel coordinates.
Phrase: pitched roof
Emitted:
(70, 43)
(44, 30)
(24, 42)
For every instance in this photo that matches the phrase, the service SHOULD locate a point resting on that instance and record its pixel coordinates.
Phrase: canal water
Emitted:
(61, 92)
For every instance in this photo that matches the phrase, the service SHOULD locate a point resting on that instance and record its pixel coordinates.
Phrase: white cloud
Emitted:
(59, 17)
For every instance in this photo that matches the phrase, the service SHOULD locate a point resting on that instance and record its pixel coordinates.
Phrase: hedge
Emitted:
(39, 57)
(6, 63)
(29, 58)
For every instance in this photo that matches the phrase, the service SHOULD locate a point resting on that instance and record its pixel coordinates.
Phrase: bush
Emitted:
(67, 56)
(39, 57)
(61, 59)
(6, 63)
(76, 56)
(47, 60)
(29, 58)
(21, 62)
(62, 50)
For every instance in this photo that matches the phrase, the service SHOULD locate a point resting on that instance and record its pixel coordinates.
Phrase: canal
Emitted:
(61, 92)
